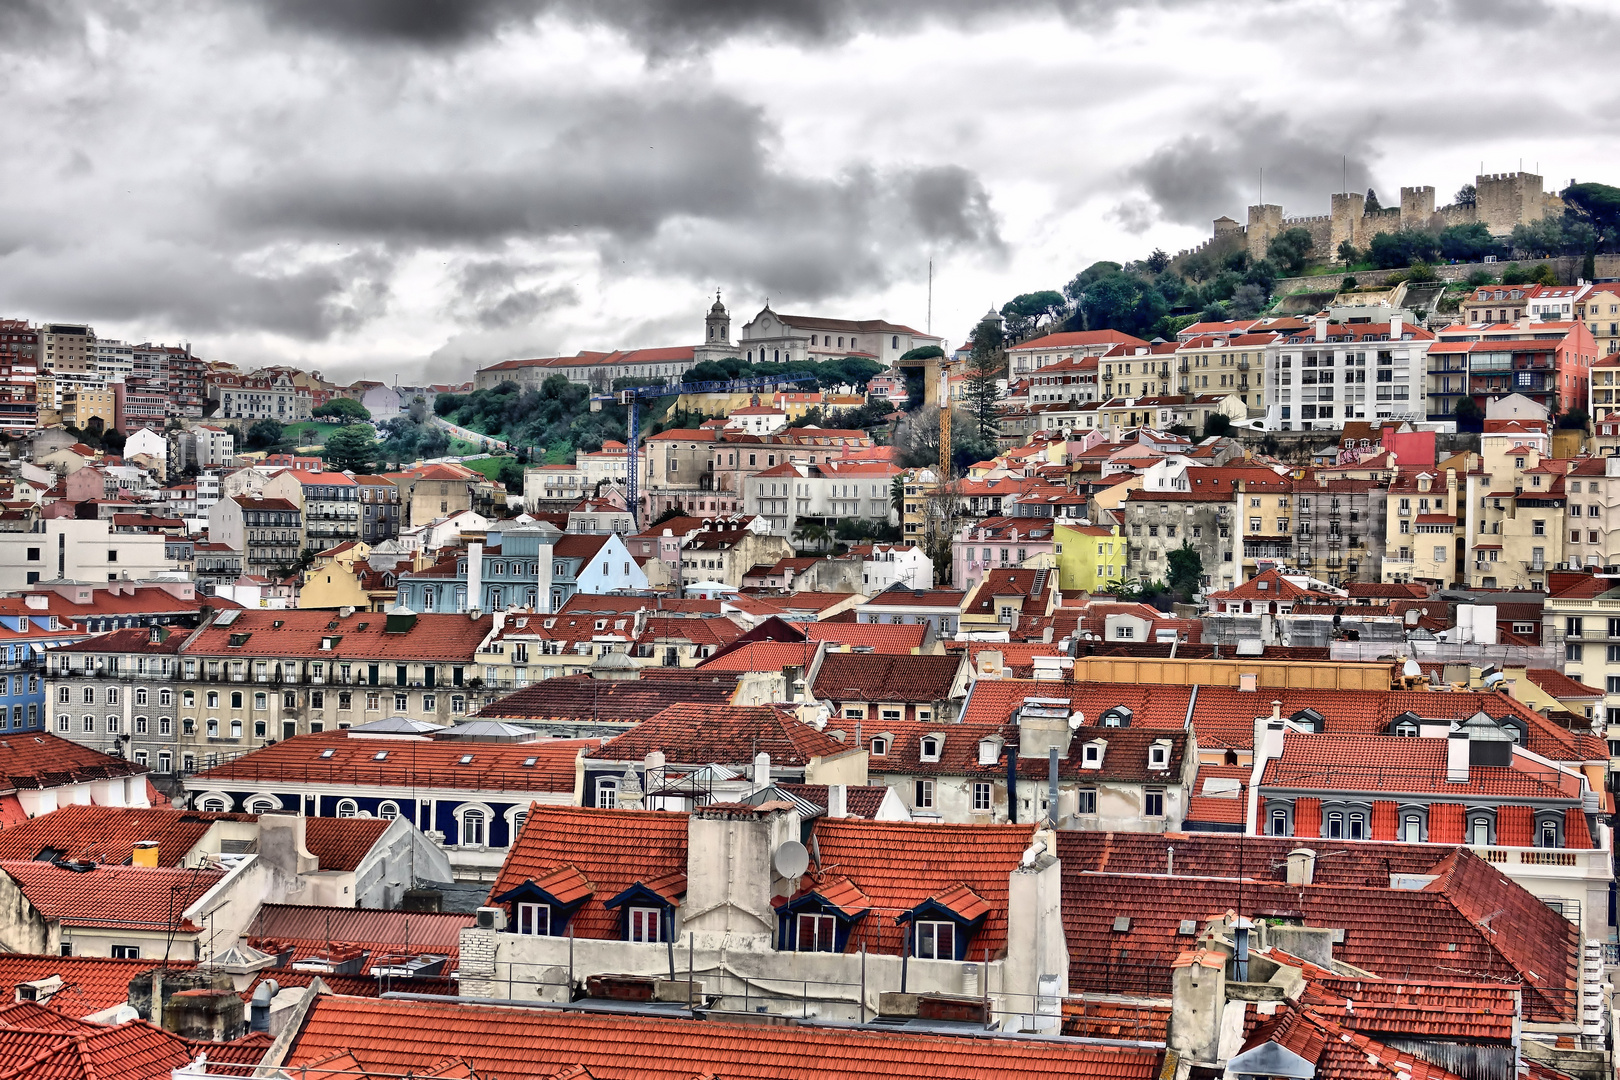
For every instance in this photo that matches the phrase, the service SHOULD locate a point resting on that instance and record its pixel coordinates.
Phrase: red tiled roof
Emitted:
(424, 763)
(762, 656)
(704, 734)
(574, 697)
(1077, 339)
(308, 930)
(43, 761)
(1561, 686)
(342, 843)
(1106, 875)
(131, 897)
(934, 598)
(624, 847)
(132, 1051)
(1387, 763)
(90, 983)
(277, 634)
(108, 834)
(885, 677)
(400, 1035)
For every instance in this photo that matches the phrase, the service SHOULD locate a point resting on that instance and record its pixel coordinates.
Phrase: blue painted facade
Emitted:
(525, 571)
(22, 671)
(441, 814)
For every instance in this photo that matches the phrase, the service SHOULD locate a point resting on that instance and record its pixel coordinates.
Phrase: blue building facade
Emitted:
(24, 641)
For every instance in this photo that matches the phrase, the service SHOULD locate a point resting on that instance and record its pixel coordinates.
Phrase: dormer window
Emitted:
(1091, 757)
(1159, 756)
(930, 747)
(1405, 729)
(1310, 720)
(1118, 716)
(880, 746)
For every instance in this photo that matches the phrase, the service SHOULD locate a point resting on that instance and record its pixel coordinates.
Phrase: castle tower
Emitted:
(717, 327)
(1265, 222)
(1503, 200)
(1349, 208)
(1417, 206)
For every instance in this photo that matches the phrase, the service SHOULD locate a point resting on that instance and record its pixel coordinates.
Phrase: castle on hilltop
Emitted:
(1501, 201)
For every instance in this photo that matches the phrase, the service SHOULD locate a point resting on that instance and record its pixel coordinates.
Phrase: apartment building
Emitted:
(381, 516)
(1322, 376)
(269, 532)
(1423, 541)
(116, 693)
(250, 677)
(329, 500)
(1031, 357)
(790, 494)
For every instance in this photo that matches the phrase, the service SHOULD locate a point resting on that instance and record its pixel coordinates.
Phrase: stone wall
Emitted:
(1567, 267)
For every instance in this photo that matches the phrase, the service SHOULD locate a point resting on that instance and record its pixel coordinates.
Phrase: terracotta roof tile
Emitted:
(91, 983)
(342, 843)
(308, 930)
(610, 849)
(581, 697)
(880, 677)
(131, 1051)
(397, 1035)
(1387, 763)
(108, 834)
(134, 897)
(43, 760)
(276, 634)
(727, 735)
(425, 763)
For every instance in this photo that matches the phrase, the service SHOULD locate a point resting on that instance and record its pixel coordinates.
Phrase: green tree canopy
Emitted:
(344, 410)
(923, 352)
(352, 448)
(1186, 570)
(1026, 313)
(1468, 243)
(986, 365)
(1290, 249)
(264, 435)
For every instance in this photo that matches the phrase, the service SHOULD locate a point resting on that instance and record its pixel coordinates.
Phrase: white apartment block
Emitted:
(1320, 377)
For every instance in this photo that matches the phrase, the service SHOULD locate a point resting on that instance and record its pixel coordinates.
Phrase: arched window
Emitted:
(236, 729)
(213, 727)
(89, 695)
(1548, 836)
(263, 804)
(188, 698)
(89, 722)
(388, 811)
(472, 826)
(260, 701)
(1335, 826)
(517, 822)
(113, 724)
(1279, 823)
(1358, 826)
(347, 808)
(140, 725)
(1406, 729)
(1412, 829)
(213, 699)
(236, 699)
(258, 729)
(494, 599)
(140, 695)
(166, 696)
(1479, 831)
(215, 804)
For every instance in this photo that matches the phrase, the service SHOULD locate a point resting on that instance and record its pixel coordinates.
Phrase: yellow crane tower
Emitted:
(944, 421)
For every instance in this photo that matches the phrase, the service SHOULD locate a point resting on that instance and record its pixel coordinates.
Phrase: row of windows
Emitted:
(87, 695)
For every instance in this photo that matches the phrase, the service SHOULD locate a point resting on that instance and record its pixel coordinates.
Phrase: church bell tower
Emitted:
(718, 325)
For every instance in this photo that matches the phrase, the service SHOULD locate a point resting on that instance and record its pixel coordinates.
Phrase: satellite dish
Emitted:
(791, 860)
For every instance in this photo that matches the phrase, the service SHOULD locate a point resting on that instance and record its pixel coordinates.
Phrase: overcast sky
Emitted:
(371, 187)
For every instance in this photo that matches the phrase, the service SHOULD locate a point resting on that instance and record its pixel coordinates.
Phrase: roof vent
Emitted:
(1187, 928)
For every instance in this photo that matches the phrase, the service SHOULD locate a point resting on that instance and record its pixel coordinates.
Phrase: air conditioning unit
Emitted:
(491, 918)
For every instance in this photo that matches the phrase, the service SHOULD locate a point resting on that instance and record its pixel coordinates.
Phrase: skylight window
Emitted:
(466, 759)
(528, 762)
(327, 753)
(381, 755)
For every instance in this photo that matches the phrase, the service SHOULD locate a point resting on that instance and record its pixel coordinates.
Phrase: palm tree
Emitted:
(817, 535)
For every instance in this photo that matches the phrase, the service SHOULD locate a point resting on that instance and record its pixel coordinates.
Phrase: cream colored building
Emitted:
(1421, 528)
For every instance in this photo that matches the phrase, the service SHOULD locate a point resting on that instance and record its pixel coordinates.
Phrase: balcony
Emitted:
(1243, 365)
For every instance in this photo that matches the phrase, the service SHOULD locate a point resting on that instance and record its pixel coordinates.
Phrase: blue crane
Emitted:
(633, 398)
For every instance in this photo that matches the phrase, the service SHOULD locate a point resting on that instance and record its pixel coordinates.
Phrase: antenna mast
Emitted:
(929, 325)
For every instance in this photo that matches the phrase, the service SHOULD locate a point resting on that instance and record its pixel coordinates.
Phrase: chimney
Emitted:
(1321, 328)
(1197, 1003)
(1457, 757)
(145, 853)
(1268, 740)
(762, 771)
(1301, 866)
(837, 801)
(1395, 327)
(475, 574)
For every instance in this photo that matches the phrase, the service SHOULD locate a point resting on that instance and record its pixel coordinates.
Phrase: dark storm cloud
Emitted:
(684, 187)
(663, 26)
(198, 289)
(22, 20)
(1218, 170)
(491, 293)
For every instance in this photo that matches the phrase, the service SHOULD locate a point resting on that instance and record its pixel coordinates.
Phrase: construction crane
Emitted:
(633, 398)
(944, 421)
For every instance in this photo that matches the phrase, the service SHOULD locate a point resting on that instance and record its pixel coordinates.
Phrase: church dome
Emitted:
(718, 308)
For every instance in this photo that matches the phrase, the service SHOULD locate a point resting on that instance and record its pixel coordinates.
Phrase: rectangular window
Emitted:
(981, 795)
(1153, 802)
(925, 795)
(1087, 801)
(534, 919)
(125, 952)
(816, 933)
(607, 793)
(373, 702)
(936, 941)
(646, 924)
(402, 702)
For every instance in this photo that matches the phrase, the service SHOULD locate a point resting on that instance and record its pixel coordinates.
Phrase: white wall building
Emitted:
(1323, 376)
(888, 564)
(79, 550)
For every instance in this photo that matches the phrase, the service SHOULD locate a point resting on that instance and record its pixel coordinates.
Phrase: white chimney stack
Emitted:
(837, 801)
(475, 576)
(762, 771)
(1395, 328)
(1457, 757)
(1321, 328)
